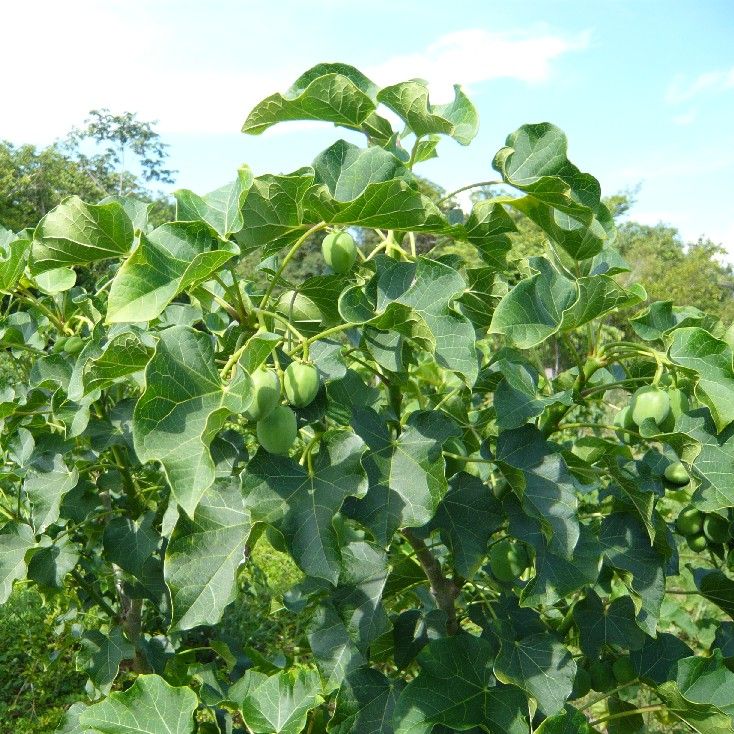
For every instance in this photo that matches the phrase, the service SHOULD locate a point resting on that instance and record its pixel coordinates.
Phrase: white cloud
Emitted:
(684, 89)
(686, 118)
(70, 57)
(475, 55)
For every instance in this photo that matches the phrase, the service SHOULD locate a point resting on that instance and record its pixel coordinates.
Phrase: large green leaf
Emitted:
(302, 504)
(711, 359)
(655, 659)
(550, 302)
(75, 233)
(541, 480)
(14, 251)
(220, 209)
(172, 258)
(184, 405)
(203, 555)
(410, 101)
(100, 656)
(541, 666)
(416, 300)
(456, 689)
(45, 487)
(365, 703)
(706, 680)
(467, 517)
(407, 479)
(336, 93)
(149, 706)
(16, 540)
(717, 587)
(279, 704)
(660, 318)
(607, 624)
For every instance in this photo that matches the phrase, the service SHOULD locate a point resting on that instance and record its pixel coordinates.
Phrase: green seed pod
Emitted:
(266, 387)
(677, 474)
(716, 528)
(340, 251)
(650, 402)
(277, 431)
(301, 383)
(690, 521)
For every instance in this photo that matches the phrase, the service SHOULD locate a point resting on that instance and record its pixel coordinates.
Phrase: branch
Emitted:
(444, 590)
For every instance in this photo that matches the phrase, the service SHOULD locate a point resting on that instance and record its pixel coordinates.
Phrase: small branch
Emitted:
(631, 712)
(444, 590)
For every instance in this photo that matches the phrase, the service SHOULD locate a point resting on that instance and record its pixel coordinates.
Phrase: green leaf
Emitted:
(51, 561)
(467, 517)
(203, 555)
(302, 504)
(221, 209)
(717, 588)
(100, 656)
(45, 487)
(701, 718)
(410, 101)
(330, 92)
(568, 721)
(183, 406)
(279, 704)
(172, 258)
(407, 479)
(607, 624)
(365, 703)
(392, 204)
(455, 688)
(540, 478)
(549, 302)
(346, 170)
(149, 706)
(706, 681)
(627, 548)
(659, 319)
(75, 233)
(416, 299)
(541, 666)
(561, 199)
(273, 210)
(654, 660)
(14, 251)
(711, 360)
(15, 541)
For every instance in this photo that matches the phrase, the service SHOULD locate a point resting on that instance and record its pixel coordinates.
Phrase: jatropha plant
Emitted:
(502, 480)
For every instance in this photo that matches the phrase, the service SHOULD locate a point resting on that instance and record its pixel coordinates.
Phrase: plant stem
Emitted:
(631, 712)
(294, 249)
(606, 695)
(563, 426)
(444, 590)
(467, 187)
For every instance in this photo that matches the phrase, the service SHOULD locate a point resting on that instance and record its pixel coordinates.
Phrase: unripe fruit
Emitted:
(301, 382)
(697, 543)
(453, 445)
(339, 251)
(507, 560)
(624, 420)
(59, 344)
(676, 473)
(266, 389)
(623, 670)
(73, 345)
(716, 528)
(602, 676)
(690, 521)
(650, 402)
(277, 431)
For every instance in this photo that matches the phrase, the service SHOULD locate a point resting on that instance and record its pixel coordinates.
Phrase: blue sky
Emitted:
(643, 88)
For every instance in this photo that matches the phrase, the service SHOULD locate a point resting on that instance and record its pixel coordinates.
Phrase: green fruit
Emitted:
(59, 344)
(623, 670)
(581, 684)
(266, 389)
(690, 521)
(697, 543)
(507, 560)
(716, 528)
(73, 345)
(624, 420)
(676, 473)
(300, 310)
(650, 402)
(340, 251)
(453, 445)
(301, 382)
(602, 676)
(277, 431)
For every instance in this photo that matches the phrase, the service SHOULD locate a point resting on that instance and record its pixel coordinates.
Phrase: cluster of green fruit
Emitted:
(662, 406)
(276, 424)
(68, 345)
(602, 675)
(704, 530)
